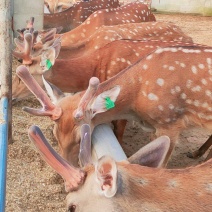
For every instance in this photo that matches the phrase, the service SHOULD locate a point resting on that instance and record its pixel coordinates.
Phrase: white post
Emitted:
(104, 142)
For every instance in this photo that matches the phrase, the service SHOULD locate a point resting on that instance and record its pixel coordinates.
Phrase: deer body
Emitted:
(72, 75)
(169, 96)
(165, 98)
(75, 15)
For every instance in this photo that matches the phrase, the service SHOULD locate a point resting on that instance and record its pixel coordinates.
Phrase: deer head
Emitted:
(36, 64)
(55, 6)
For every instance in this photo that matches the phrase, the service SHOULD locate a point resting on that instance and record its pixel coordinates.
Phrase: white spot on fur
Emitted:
(204, 81)
(201, 66)
(145, 67)
(188, 83)
(196, 88)
(183, 96)
(205, 105)
(152, 96)
(171, 68)
(149, 57)
(208, 93)
(171, 106)
(160, 81)
(194, 69)
(113, 62)
(188, 101)
(160, 107)
(182, 65)
(196, 103)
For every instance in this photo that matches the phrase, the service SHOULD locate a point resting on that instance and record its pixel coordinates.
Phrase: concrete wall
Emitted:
(24, 9)
(203, 7)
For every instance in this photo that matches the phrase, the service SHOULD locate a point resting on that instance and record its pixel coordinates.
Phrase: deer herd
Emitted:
(120, 64)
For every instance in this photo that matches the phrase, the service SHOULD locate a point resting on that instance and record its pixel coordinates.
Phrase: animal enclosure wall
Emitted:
(24, 9)
(203, 7)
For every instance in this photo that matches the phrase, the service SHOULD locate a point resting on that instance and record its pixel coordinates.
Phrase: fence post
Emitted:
(5, 92)
(3, 150)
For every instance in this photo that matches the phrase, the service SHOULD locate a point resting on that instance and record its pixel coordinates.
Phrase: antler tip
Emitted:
(21, 70)
(94, 81)
(32, 129)
(28, 36)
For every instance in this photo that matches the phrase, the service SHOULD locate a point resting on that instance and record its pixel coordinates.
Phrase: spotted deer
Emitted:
(131, 13)
(127, 185)
(72, 45)
(55, 6)
(75, 15)
(165, 98)
(67, 74)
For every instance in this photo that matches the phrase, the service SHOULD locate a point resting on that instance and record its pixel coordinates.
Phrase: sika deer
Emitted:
(131, 13)
(73, 45)
(122, 186)
(67, 74)
(188, 99)
(75, 15)
(106, 34)
(182, 76)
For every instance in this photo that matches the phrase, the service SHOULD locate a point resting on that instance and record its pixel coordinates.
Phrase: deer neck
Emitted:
(70, 75)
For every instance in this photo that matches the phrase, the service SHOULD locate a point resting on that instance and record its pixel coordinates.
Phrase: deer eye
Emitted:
(72, 208)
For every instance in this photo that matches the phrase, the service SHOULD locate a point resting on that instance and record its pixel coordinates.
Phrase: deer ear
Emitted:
(54, 92)
(153, 154)
(59, 8)
(105, 101)
(48, 58)
(106, 175)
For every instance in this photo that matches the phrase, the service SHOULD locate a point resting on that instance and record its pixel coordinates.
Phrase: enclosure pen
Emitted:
(5, 92)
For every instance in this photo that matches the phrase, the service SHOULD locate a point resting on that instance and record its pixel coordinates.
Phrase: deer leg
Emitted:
(119, 127)
(209, 155)
(201, 151)
(173, 134)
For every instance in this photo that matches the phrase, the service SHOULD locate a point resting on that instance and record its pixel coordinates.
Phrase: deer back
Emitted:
(132, 13)
(138, 31)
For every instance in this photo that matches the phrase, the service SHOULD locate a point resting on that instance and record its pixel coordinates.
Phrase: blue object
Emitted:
(3, 150)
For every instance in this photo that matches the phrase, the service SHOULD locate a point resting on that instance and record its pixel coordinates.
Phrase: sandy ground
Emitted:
(33, 186)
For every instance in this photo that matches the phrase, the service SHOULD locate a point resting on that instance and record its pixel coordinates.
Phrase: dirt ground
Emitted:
(34, 186)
